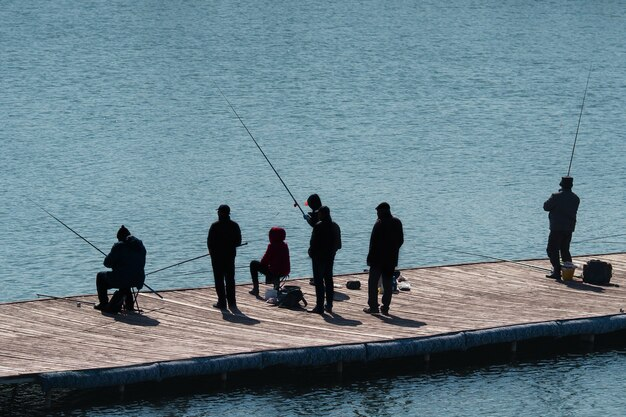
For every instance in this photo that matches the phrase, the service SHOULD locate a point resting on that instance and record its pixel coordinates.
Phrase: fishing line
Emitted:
(295, 202)
(577, 127)
(489, 257)
(78, 234)
(600, 238)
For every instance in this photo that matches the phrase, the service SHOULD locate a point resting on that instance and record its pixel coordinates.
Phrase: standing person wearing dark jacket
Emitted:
(562, 207)
(312, 217)
(385, 241)
(274, 263)
(222, 241)
(325, 242)
(127, 260)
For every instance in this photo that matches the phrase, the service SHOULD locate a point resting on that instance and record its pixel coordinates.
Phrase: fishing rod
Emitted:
(489, 257)
(295, 202)
(71, 300)
(577, 127)
(188, 260)
(80, 236)
(69, 228)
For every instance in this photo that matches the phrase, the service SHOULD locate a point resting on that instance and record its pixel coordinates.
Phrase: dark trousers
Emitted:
(323, 280)
(372, 286)
(558, 244)
(224, 276)
(104, 282)
(255, 268)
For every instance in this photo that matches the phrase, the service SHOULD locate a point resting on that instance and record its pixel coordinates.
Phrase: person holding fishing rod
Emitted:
(222, 242)
(127, 260)
(325, 242)
(562, 207)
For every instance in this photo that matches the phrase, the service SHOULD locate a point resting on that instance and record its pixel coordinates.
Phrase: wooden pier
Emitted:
(65, 343)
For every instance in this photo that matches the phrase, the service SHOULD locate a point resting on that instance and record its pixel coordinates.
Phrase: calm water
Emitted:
(460, 114)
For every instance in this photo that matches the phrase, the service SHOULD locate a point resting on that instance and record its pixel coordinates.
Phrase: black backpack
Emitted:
(597, 272)
(291, 298)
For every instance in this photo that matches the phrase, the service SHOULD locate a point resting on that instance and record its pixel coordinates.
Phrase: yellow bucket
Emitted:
(567, 272)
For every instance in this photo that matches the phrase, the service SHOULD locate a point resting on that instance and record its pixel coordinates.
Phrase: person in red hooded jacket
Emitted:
(274, 263)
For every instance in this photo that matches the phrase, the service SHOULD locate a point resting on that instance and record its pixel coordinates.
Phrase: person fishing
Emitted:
(222, 241)
(127, 260)
(385, 241)
(325, 242)
(563, 208)
(312, 217)
(274, 263)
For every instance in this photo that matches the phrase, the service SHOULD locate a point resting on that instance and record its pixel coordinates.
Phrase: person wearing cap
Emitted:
(562, 207)
(222, 241)
(385, 241)
(274, 263)
(127, 260)
(325, 242)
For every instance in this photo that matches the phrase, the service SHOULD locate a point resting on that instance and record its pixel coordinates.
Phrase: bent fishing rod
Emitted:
(295, 202)
(80, 236)
(578, 127)
(188, 260)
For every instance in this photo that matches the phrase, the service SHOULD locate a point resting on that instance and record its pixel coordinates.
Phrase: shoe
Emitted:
(554, 276)
(370, 310)
(254, 291)
(384, 310)
(101, 306)
(219, 306)
(328, 309)
(317, 310)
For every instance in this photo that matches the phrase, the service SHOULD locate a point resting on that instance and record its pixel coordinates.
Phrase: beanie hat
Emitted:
(123, 233)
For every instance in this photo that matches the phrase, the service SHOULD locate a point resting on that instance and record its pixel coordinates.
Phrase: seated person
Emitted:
(127, 260)
(275, 261)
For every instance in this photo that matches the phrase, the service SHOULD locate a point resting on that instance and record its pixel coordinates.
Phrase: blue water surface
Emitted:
(461, 114)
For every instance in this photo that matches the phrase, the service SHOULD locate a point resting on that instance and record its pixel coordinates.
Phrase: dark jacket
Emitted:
(385, 242)
(563, 207)
(325, 239)
(127, 259)
(223, 239)
(276, 257)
